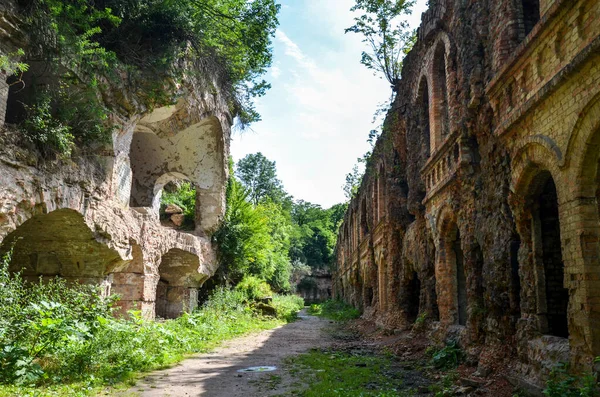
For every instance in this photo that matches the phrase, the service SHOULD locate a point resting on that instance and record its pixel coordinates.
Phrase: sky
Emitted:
(317, 116)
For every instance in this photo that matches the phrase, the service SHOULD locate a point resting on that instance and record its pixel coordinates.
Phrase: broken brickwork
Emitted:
(479, 211)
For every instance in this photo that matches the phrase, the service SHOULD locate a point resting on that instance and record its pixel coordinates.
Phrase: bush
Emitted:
(335, 310)
(254, 288)
(55, 334)
(448, 357)
(564, 384)
(287, 306)
(184, 196)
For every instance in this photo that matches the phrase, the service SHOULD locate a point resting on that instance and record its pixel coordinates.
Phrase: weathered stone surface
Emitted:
(172, 209)
(479, 210)
(73, 218)
(177, 219)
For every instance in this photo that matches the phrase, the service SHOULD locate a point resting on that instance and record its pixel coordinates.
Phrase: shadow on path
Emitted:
(215, 374)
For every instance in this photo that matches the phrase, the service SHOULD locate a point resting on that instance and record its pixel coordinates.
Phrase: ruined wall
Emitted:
(94, 218)
(481, 198)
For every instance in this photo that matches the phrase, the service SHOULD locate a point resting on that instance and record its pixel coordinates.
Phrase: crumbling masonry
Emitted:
(95, 219)
(479, 211)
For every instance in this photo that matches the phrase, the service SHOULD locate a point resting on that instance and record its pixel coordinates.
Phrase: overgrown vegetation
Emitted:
(182, 195)
(64, 338)
(562, 382)
(335, 310)
(267, 234)
(447, 357)
(90, 48)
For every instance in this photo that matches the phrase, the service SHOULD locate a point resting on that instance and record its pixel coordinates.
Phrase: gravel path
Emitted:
(215, 374)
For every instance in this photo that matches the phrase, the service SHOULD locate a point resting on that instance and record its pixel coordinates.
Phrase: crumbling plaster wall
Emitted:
(72, 218)
(519, 106)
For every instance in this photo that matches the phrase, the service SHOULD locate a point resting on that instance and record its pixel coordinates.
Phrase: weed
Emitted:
(61, 340)
(563, 383)
(448, 357)
(335, 310)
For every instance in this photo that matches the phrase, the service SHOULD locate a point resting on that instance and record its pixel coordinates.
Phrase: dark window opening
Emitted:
(515, 293)
(442, 91)
(363, 219)
(161, 304)
(423, 102)
(557, 296)
(414, 297)
(435, 311)
(531, 14)
(369, 296)
(461, 281)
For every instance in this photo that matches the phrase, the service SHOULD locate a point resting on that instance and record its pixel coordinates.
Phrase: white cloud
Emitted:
(317, 116)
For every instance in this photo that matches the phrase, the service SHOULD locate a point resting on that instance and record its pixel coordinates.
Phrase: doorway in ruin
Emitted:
(461, 280)
(453, 267)
(413, 293)
(178, 284)
(515, 279)
(547, 250)
(60, 244)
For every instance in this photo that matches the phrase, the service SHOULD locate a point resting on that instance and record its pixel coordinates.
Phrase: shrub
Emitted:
(55, 334)
(335, 310)
(184, 196)
(448, 357)
(254, 288)
(564, 384)
(287, 306)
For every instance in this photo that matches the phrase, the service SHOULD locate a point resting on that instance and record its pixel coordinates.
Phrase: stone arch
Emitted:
(423, 104)
(527, 161)
(450, 270)
(439, 110)
(364, 221)
(381, 192)
(196, 152)
(529, 15)
(382, 278)
(584, 145)
(178, 283)
(61, 244)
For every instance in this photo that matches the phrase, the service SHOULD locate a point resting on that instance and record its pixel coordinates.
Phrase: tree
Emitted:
(259, 175)
(352, 184)
(386, 34)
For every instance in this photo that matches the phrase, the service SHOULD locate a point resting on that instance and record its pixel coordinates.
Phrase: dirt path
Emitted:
(215, 374)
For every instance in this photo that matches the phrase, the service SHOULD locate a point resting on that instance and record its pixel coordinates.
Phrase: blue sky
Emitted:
(317, 116)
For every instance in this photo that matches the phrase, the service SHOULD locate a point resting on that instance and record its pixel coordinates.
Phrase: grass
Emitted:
(120, 349)
(333, 373)
(334, 310)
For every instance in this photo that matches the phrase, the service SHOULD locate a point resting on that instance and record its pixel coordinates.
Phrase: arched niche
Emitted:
(60, 244)
(178, 284)
(540, 229)
(424, 116)
(451, 274)
(195, 154)
(439, 112)
(529, 15)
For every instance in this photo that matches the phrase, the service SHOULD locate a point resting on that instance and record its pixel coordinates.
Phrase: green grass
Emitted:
(120, 349)
(334, 310)
(331, 373)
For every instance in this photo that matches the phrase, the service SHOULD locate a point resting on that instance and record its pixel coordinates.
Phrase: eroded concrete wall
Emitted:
(522, 106)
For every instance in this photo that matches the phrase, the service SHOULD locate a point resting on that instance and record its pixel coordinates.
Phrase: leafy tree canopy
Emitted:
(259, 175)
(386, 33)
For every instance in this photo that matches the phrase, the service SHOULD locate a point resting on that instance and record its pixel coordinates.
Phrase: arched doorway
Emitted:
(547, 252)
